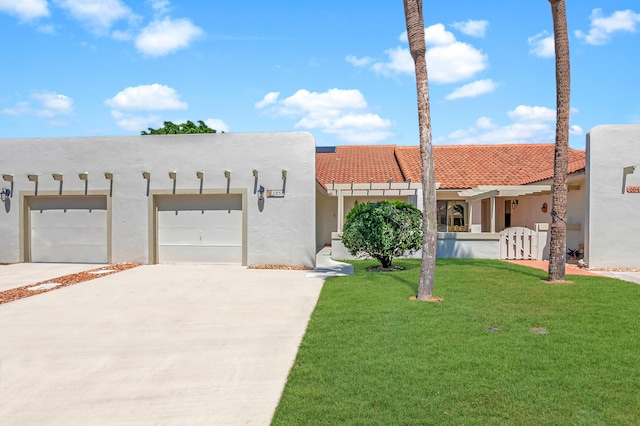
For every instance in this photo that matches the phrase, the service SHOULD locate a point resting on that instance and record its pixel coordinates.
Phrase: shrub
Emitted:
(383, 230)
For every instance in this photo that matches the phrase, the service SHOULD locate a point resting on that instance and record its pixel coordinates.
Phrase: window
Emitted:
(452, 216)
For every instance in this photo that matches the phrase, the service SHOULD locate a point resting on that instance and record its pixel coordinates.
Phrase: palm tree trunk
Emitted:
(415, 32)
(558, 244)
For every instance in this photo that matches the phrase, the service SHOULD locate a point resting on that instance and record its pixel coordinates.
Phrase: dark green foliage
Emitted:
(189, 127)
(383, 230)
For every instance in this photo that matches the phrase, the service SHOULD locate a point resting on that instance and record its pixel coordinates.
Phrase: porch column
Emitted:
(493, 214)
(470, 218)
(340, 210)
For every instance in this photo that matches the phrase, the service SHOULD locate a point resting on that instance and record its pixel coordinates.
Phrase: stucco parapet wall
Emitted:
(468, 236)
(132, 170)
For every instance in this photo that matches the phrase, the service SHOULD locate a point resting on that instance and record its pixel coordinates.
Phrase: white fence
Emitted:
(519, 243)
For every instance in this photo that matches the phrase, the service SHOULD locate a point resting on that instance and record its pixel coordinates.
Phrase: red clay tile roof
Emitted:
(456, 166)
(360, 163)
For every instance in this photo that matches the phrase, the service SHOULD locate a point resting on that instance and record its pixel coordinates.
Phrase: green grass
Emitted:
(371, 356)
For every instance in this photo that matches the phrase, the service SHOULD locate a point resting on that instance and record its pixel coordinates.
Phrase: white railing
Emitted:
(519, 243)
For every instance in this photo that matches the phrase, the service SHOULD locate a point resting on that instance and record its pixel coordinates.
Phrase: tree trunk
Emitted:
(558, 244)
(415, 34)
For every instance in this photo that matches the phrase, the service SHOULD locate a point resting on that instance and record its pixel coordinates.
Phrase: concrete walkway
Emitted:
(160, 344)
(327, 267)
(21, 274)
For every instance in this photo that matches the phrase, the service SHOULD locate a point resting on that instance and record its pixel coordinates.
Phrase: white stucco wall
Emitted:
(283, 233)
(613, 214)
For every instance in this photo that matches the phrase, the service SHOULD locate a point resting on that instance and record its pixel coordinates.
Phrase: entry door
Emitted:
(69, 229)
(199, 228)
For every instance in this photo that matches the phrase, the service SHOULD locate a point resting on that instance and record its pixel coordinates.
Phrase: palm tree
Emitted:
(417, 46)
(558, 244)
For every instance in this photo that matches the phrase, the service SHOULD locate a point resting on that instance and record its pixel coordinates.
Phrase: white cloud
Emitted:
(50, 104)
(576, 130)
(136, 122)
(165, 36)
(472, 28)
(46, 29)
(20, 109)
(269, 99)
(97, 14)
(602, 27)
(472, 90)
(341, 113)
(532, 113)
(448, 60)
(131, 107)
(359, 62)
(485, 123)
(530, 124)
(542, 45)
(147, 97)
(25, 10)
(54, 103)
(160, 6)
(217, 124)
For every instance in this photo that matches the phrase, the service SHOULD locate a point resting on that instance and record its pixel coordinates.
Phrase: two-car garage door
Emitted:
(199, 228)
(68, 229)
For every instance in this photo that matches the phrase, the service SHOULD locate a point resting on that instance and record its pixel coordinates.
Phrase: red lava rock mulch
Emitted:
(64, 281)
(281, 267)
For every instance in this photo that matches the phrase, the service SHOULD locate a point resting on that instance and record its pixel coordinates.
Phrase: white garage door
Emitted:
(68, 229)
(199, 228)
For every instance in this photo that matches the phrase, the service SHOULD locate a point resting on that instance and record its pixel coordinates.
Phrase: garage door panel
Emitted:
(75, 253)
(199, 254)
(68, 229)
(200, 228)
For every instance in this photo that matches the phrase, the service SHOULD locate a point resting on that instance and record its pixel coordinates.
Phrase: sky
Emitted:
(338, 69)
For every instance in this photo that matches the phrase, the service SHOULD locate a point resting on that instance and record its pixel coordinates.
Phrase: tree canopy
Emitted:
(189, 127)
(383, 230)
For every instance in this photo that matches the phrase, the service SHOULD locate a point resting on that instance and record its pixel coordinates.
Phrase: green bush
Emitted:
(383, 230)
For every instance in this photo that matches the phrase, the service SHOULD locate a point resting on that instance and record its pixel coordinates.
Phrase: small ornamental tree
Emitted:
(383, 230)
(189, 127)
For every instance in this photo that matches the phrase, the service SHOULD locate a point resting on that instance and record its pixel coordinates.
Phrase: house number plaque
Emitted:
(633, 189)
(275, 193)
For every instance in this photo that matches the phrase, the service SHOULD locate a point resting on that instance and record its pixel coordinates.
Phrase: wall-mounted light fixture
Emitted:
(255, 173)
(7, 178)
(514, 204)
(284, 173)
(84, 176)
(4, 194)
(32, 178)
(108, 175)
(227, 174)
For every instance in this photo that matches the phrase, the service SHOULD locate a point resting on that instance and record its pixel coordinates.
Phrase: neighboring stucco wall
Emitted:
(326, 219)
(613, 214)
(283, 233)
(450, 244)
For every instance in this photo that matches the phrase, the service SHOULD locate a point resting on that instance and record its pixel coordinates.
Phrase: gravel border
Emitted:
(64, 281)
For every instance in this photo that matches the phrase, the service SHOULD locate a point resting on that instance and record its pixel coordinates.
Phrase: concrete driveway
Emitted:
(161, 344)
(20, 274)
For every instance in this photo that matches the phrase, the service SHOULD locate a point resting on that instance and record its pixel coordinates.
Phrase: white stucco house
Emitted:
(274, 198)
(215, 198)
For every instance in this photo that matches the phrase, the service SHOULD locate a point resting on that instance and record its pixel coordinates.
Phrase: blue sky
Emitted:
(338, 69)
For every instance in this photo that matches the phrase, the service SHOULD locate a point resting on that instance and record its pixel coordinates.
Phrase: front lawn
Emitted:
(371, 356)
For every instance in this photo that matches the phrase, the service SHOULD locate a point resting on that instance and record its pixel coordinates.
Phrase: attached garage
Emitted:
(199, 228)
(67, 228)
